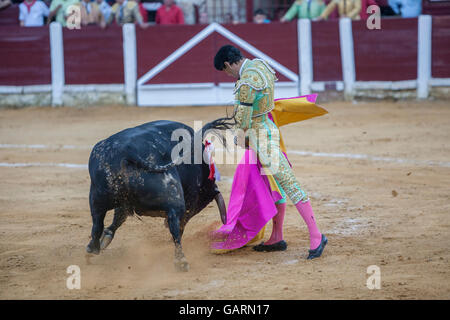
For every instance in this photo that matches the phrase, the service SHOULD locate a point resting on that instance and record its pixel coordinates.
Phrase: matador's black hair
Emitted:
(228, 54)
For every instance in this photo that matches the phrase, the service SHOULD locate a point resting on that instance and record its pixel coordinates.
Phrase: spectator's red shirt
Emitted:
(143, 12)
(173, 15)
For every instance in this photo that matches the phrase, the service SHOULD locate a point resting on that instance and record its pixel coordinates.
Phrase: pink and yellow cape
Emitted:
(253, 195)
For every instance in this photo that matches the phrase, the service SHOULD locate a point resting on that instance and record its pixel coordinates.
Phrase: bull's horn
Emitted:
(222, 208)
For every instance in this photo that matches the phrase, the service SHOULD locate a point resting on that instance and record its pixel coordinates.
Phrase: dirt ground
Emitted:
(388, 207)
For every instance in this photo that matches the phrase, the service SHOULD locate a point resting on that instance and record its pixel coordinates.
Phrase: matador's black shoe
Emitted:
(318, 251)
(278, 246)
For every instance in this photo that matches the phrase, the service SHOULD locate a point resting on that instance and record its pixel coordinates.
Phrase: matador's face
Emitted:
(232, 69)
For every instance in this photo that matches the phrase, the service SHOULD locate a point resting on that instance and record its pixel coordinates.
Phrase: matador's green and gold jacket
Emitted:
(253, 93)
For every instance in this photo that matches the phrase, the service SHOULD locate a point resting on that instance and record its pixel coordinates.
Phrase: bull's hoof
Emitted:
(182, 265)
(92, 248)
(106, 239)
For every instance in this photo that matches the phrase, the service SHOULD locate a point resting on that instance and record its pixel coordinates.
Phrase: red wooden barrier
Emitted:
(24, 56)
(10, 16)
(158, 42)
(436, 7)
(388, 54)
(326, 51)
(278, 41)
(440, 50)
(93, 55)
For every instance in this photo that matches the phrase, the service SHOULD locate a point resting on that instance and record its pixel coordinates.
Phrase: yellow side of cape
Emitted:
(294, 110)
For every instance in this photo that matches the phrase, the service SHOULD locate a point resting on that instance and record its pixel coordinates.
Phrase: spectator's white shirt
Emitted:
(105, 8)
(407, 8)
(34, 17)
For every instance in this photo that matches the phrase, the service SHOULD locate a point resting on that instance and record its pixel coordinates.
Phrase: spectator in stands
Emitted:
(228, 18)
(59, 9)
(4, 4)
(279, 14)
(346, 8)
(142, 11)
(407, 8)
(190, 9)
(105, 8)
(90, 13)
(169, 13)
(32, 13)
(126, 11)
(260, 17)
(203, 18)
(304, 9)
(385, 8)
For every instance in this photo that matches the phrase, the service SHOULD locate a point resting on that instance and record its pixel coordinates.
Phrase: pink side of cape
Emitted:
(251, 206)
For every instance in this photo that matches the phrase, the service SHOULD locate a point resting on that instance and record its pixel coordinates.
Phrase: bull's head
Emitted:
(209, 187)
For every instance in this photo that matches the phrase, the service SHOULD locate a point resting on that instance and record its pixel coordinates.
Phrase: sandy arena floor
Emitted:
(389, 207)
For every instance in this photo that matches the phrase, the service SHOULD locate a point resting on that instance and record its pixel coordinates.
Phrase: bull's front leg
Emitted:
(174, 220)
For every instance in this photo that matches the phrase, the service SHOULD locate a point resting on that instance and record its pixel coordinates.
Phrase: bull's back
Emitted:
(108, 168)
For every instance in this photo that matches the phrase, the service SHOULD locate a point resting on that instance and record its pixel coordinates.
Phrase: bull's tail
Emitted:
(144, 164)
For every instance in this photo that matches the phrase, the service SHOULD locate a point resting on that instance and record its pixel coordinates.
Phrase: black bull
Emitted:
(133, 172)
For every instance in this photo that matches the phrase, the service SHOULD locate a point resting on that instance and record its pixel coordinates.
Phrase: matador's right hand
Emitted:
(238, 140)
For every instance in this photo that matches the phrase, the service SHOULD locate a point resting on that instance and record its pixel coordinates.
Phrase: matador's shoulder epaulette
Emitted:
(253, 78)
(261, 62)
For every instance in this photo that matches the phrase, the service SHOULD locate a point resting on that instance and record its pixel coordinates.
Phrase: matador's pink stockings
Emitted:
(307, 214)
(277, 229)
